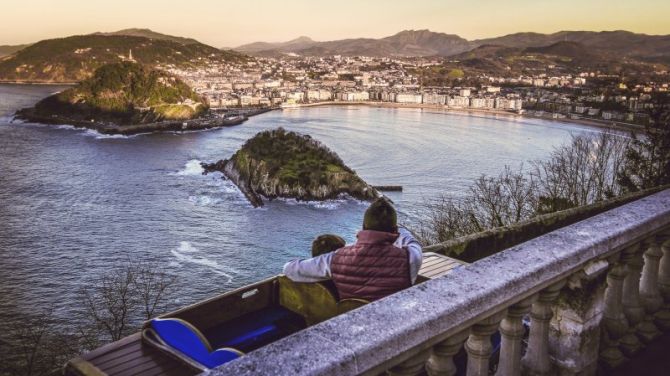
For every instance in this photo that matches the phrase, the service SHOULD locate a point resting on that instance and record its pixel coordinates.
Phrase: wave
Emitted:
(332, 204)
(187, 253)
(68, 127)
(102, 136)
(204, 200)
(9, 120)
(192, 168)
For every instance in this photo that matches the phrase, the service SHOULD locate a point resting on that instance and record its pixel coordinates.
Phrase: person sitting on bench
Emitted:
(385, 259)
(326, 243)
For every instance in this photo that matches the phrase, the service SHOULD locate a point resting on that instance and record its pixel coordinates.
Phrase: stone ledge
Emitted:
(379, 335)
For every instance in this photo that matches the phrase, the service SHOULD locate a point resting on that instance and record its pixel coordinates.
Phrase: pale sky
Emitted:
(225, 23)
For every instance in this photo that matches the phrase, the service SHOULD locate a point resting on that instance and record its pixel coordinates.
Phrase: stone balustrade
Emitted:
(596, 292)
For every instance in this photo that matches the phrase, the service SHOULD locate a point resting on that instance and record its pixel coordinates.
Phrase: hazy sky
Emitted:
(231, 23)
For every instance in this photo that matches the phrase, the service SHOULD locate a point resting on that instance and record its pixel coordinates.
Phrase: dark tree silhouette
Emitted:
(648, 156)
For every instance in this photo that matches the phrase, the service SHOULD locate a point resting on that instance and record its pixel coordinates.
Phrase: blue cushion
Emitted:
(255, 329)
(186, 339)
(252, 336)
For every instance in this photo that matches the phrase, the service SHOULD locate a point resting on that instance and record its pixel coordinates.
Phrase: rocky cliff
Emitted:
(279, 163)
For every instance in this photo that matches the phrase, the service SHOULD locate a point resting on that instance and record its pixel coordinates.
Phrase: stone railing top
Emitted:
(384, 333)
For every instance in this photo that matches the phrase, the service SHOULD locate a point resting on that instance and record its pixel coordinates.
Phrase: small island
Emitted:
(279, 163)
(128, 98)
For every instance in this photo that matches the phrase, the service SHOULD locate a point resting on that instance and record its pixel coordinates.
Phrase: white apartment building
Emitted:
(594, 111)
(245, 100)
(353, 96)
(431, 98)
(458, 101)
(580, 108)
(477, 103)
(242, 85)
(387, 96)
(297, 96)
(408, 98)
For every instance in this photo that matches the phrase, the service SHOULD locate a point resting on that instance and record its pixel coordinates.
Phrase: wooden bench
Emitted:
(436, 265)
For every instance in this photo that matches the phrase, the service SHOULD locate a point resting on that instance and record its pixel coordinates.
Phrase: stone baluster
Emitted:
(511, 331)
(478, 345)
(575, 329)
(413, 366)
(441, 361)
(536, 361)
(616, 325)
(632, 308)
(662, 317)
(650, 296)
(664, 270)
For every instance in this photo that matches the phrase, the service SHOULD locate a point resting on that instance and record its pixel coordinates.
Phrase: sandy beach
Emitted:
(477, 112)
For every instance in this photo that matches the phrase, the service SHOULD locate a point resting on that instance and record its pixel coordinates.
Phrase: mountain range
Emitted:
(75, 58)
(429, 43)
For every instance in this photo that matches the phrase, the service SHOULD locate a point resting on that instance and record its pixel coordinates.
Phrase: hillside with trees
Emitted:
(122, 93)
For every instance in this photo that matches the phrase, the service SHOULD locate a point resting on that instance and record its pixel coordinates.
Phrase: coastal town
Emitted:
(552, 92)
(351, 188)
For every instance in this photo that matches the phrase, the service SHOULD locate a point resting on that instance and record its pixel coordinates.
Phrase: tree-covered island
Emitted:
(279, 163)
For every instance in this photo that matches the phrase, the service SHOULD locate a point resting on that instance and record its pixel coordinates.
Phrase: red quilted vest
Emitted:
(372, 268)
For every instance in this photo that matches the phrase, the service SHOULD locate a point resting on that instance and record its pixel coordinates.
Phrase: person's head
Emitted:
(326, 243)
(380, 216)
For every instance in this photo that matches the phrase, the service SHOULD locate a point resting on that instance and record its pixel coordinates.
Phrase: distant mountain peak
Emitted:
(148, 33)
(412, 31)
(421, 33)
(301, 39)
(135, 29)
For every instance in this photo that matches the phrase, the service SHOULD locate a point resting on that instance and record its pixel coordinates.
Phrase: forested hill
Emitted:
(124, 93)
(75, 58)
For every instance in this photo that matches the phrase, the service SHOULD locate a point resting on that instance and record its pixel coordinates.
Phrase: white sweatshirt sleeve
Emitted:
(406, 240)
(311, 270)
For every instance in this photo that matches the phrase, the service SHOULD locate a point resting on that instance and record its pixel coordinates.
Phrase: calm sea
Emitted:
(74, 203)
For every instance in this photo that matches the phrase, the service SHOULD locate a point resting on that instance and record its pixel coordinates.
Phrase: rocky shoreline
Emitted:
(107, 128)
(270, 191)
(231, 173)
